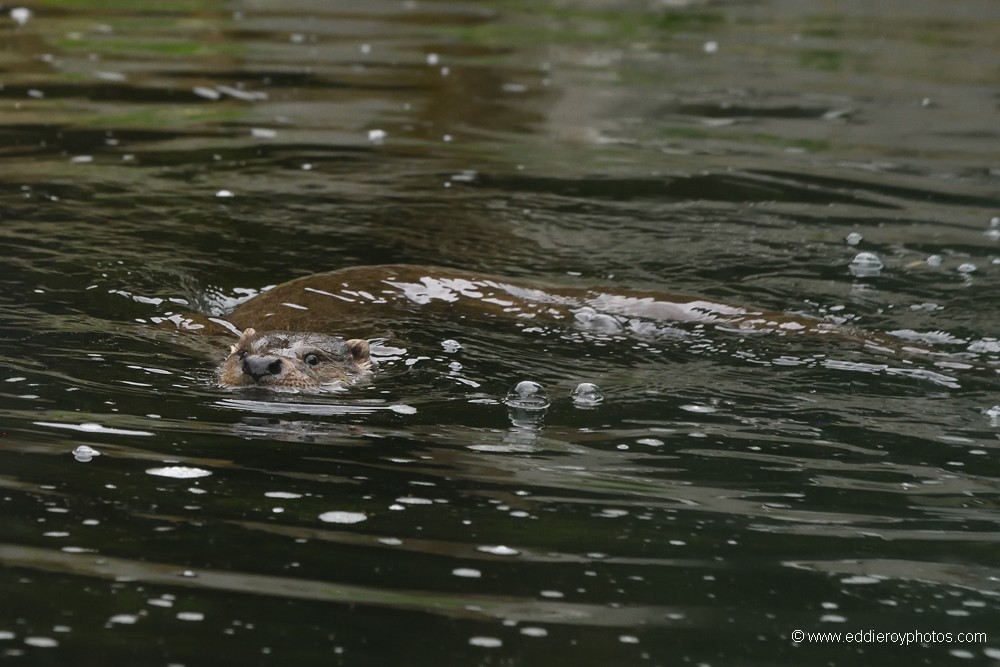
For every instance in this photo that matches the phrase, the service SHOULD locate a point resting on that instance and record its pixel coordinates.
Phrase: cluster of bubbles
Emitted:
(527, 401)
(868, 264)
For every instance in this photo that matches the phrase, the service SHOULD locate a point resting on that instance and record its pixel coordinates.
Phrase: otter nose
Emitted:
(258, 367)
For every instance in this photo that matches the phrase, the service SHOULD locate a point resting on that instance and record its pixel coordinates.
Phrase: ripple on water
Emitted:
(92, 427)
(646, 492)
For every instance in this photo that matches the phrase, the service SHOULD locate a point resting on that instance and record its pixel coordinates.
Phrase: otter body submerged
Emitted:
(296, 347)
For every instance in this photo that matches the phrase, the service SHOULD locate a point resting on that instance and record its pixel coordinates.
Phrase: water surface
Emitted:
(729, 489)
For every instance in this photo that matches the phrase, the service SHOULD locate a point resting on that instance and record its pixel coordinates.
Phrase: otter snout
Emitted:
(259, 367)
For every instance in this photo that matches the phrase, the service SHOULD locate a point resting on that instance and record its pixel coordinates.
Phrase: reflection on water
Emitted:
(605, 488)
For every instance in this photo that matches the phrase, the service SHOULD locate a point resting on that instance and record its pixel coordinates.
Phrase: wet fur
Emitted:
(294, 360)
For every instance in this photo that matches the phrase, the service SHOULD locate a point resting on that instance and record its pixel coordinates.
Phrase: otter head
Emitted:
(290, 359)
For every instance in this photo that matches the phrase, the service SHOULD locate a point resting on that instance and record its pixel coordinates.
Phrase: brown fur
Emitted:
(294, 360)
(370, 298)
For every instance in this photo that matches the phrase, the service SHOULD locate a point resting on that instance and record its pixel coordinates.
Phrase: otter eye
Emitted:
(311, 359)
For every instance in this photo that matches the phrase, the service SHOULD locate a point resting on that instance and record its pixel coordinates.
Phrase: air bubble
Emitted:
(994, 415)
(866, 265)
(854, 238)
(587, 395)
(83, 453)
(527, 395)
(526, 405)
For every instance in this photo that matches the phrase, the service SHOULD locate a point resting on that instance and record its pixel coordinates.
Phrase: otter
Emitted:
(294, 360)
(297, 319)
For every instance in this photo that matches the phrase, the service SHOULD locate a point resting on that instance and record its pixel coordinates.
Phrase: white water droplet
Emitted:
(486, 642)
(282, 494)
(41, 642)
(700, 409)
(20, 15)
(467, 572)
(413, 500)
(498, 550)
(124, 619)
(178, 472)
(263, 133)
(342, 517)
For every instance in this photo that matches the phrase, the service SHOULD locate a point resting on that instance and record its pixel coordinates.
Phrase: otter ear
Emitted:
(359, 350)
(245, 337)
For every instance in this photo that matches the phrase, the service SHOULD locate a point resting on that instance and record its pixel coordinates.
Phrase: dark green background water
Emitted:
(727, 492)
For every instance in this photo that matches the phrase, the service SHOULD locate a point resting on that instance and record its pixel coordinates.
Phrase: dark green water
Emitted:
(728, 491)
